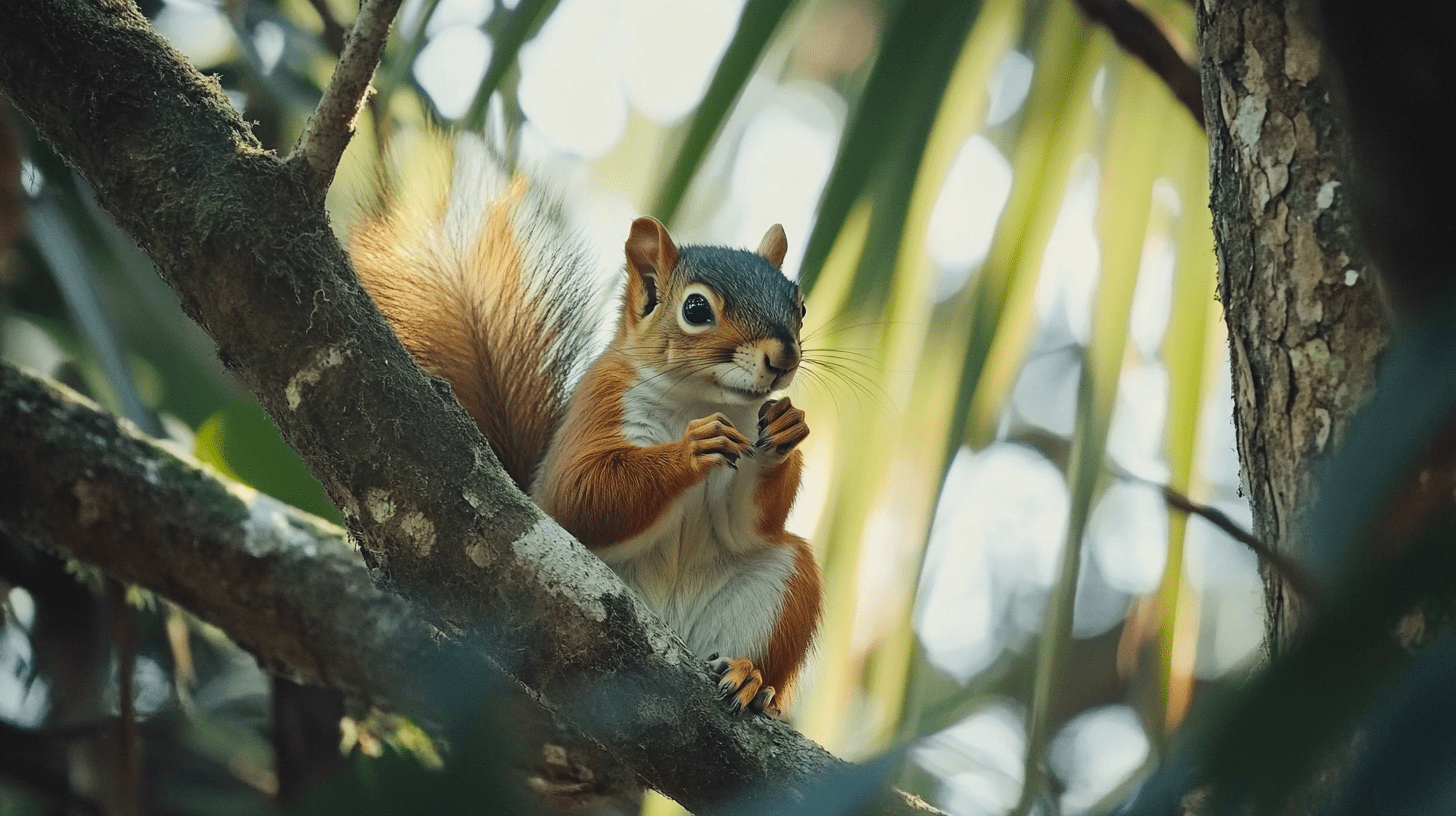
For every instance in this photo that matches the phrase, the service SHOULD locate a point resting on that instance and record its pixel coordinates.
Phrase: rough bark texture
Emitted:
(251, 255)
(80, 485)
(1306, 320)
(284, 585)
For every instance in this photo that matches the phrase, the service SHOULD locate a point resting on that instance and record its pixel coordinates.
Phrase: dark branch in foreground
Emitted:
(1155, 44)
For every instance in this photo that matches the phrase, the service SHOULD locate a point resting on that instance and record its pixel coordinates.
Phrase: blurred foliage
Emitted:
(241, 442)
(903, 373)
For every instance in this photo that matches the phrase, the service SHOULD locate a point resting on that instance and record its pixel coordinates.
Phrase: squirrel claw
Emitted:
(713, 441)
(741, 685)
(781, 427)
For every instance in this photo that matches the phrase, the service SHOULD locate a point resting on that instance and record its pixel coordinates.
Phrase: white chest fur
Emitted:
(704, 566)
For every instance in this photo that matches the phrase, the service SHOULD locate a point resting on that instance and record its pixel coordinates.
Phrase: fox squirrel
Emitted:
(669, 459)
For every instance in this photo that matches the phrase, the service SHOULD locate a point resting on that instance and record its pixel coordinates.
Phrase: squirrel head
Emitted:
(723, 321)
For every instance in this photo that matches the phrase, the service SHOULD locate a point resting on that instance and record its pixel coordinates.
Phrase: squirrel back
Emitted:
(487, 287)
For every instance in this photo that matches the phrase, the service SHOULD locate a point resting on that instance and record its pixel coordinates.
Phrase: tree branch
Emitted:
(1291, 571)
(247, 246)
(334, 32)
(284, 585)
(332, 124)
(1152, 42)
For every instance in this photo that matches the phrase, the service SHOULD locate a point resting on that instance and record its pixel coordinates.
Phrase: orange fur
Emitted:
(466, 316)
(803, 599)
(798, 621)
(610, 489)
(776, 492)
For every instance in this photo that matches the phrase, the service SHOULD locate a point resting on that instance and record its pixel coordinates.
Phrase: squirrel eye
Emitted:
(696, 310)
(802, 311)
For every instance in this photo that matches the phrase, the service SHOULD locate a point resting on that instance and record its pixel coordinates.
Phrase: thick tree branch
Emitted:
(332, 124)
(1158, 47)
(284, 585)
(248, 248)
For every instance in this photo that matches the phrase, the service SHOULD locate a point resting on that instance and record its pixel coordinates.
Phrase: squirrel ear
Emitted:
(774, 246)
(651, 257)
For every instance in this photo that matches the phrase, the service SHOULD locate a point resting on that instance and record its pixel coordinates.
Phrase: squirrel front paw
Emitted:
(740, 685)
(781, 428)
(713, 441)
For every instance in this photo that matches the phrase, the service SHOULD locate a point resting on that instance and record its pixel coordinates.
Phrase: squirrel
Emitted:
(669, 457)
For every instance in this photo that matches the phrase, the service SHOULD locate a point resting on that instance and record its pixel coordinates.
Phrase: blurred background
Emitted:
(1012, 342)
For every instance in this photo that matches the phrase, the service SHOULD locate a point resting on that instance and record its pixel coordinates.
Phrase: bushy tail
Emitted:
(488, 288)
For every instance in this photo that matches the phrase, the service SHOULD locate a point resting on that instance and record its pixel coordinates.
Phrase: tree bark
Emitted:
(251, 254)
(1306, 320)
(285, 586)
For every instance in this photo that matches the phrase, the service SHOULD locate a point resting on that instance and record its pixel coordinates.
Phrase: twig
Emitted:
(1288, 569)
(1291, 571)
(1155, 44)
(334, 33)
(126, 749)
(332, 124)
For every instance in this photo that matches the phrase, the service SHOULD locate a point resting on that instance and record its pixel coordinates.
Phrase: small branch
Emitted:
(12, 201)
(334, 32)
(1291, 571)
(1155, 44)
(126, 758)
(332, 124)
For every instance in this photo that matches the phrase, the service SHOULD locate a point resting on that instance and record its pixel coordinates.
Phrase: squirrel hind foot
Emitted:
(741, 687)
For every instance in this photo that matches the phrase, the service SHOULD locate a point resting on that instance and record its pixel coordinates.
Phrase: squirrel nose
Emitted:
(783, 359)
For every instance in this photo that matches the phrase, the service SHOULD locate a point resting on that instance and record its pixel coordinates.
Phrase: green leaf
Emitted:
(1056, 126)
(515, 29)
(1128, 169)
(1191, 353)
(760, 20)
(241, 442)
(885, 139)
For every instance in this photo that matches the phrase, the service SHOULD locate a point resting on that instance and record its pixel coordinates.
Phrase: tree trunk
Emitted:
(1305, 317)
